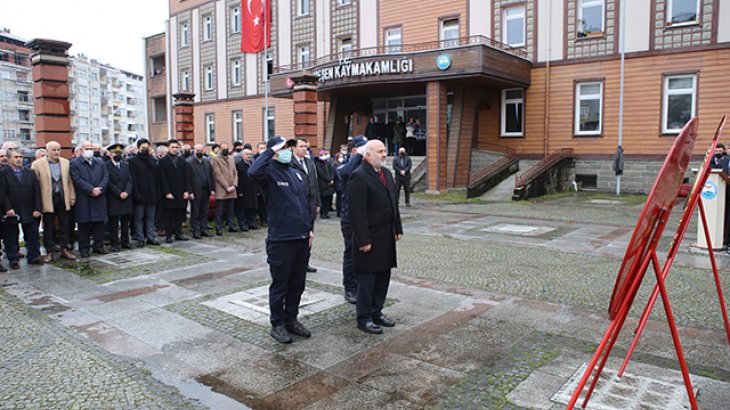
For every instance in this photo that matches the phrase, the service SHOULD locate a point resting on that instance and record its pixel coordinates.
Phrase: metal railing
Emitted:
(544, 164)
(420, 170)
(396, 50)
(487, 172)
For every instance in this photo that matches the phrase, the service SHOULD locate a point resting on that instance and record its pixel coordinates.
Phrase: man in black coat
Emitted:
(24, 203)
(326, 183)
(119, 200)
(247, 201)
(402, 165)
(376, 226)
(174, 177)
(143, 169)
(91, 179)
(202, 184)
(302, 162)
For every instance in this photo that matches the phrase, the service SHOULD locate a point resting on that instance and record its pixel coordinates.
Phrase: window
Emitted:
(513, 33)
(682, 12)
(346, 47)
(25, 134)
(679, 102)
(23, 96)
(304, 56)
(590, 17)
(393, 39)
(269, 123)
(210, 128)
(185, 35)
(24, 115)
(343, 2)
(236, 20)
(513, 112)
(94, 77)
(302, 7)
(82, 105)
(207, 28)
(269, 64)
(588, 101)
(83, 121)
(450, 32)
(209, 78)
(83, 90)
(236, 72)
(159, 109)
(237, 125)
(186, 80)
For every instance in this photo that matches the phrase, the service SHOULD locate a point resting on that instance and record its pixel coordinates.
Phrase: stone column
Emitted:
(49, 59)
(436, 136)
(305, 108)
(184, 118)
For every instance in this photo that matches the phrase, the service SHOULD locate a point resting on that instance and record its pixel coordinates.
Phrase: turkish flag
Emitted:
(252, 25)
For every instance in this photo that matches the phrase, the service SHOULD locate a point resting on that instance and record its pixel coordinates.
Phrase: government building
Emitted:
(523, 80)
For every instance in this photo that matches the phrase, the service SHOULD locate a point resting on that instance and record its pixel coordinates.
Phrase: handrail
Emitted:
(496, 148)
(478, 177)
(419, 171)
(542, 165)
(396, 50)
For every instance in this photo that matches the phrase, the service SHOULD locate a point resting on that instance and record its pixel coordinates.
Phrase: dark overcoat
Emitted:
(325, 177)
(87, 176)
(174, 179)
(246, 187)
(24, 194)
(375, 219)
(201, 176)
(144, 179)
(120, 180)
(312, 185)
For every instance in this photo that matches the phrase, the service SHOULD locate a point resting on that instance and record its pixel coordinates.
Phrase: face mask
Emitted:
(143, 153)
(239, 150)
(199, 154)
(186, 153)
(284, 156)
(88, 153)
(224, 152)
(97, 153)
(341, 160)
(402, 154)
(343, 152)
(117, 158)
(324, 157)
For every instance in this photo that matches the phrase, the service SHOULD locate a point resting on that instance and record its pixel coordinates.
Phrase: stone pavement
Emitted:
(498, 305)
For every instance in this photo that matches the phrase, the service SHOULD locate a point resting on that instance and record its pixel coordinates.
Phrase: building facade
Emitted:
(533, 76)
(16, 91)
(107, 104)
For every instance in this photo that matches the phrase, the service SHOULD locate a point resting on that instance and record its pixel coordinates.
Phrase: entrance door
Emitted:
(387, 109)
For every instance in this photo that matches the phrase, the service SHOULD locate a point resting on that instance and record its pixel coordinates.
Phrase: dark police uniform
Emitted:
(349, 280)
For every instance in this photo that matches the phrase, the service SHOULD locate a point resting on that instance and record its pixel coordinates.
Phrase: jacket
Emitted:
(87, 176)
(24, 195)
(224, 174)
(120, 180)
(246, 187)
(144, 179)
(403, 163)
(173, 180)
(43, 173)
(313, 198)
(285, 187)
(201, 176)
(325, 177)
(343, 173)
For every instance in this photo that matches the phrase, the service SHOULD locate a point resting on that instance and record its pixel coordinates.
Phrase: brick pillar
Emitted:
(184, 118)
(49, 59)
(436, 136)
(305, 108)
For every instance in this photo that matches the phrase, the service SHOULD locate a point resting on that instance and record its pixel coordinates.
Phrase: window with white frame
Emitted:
(304, 56)
(450, 32)
(207, 28)
(269, 64)
(302, 7)
(237, 125)
(393, 40)
(590, 17)
(185, 39)
(343, 2)
(210, 128)
(209, 78)
(269, 123)
(513, 32)
(186, 80)
(681, 12)
(588, 105)
(236, 71)
(236, 20)
(345, 47)
(513, 103)
(679, 102)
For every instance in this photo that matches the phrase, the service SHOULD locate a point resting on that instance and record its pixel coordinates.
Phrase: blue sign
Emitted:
(443, 62)
(709, 191)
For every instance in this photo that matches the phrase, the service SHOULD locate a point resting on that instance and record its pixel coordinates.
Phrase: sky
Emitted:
(109, 31)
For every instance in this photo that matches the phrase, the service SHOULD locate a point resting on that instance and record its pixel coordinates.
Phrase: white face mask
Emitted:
(324, 157)
(88, 153)
(340, 160)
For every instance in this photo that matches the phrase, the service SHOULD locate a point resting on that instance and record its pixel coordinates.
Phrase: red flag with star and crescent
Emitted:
(255, 35)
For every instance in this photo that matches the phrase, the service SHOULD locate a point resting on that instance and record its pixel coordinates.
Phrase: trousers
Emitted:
(288, 268)
(372, 289)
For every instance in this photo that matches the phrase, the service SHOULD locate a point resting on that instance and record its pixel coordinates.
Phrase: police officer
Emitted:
(289, 235)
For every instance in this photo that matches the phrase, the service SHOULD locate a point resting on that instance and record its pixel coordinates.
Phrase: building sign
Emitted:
(709, 191)
(443, 62)
(351, 69)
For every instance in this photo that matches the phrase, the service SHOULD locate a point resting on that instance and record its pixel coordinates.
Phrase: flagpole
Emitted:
(265, 70)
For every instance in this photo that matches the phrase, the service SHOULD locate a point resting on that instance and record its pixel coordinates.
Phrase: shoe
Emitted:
(84, 254)
(168, 239)
(196, 236)
(325, 217)
(383, 321)
(100, 251)
(181, 238)
(311, 269)
(116, 248)
(127, 246)
(205, 234)
(36, 262)
(3, 268)
(350, 297)
(298, 329)
(218, 232)
(48, 258)
(370, 327)
(243, 229)
(14, 265)
(21, 254)
(140, 244)
(56, 248)
(152, 242)
(67, 254)
(408, 205)
(232, 229)
(254, 227)
(280, 334)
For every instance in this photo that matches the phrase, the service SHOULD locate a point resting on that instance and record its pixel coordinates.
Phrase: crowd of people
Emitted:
(396, 134)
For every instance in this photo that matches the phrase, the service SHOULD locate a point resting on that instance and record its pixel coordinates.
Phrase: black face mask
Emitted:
(199, 154)
(97, 153)
(143, 153)
(117, 158)
(718, 156)
(239, 150)
(186, 153)
(224, 152)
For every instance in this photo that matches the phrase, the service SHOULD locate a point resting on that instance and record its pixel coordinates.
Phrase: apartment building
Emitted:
(532, 76)
(16, 91)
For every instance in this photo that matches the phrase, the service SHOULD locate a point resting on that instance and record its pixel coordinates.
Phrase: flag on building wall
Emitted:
(253, 30)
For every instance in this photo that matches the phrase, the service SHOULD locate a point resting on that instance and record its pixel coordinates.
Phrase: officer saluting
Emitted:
(289, 235)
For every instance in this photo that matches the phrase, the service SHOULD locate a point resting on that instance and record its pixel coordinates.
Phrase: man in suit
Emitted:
(226, 179)
(202, 184)
(174, 177)
(91, 179)
(24, 201)
(57, 197)
(302, 162)
(376, 227)
(246, 202)
(402, 165)
(119, 200)
(143, 169)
